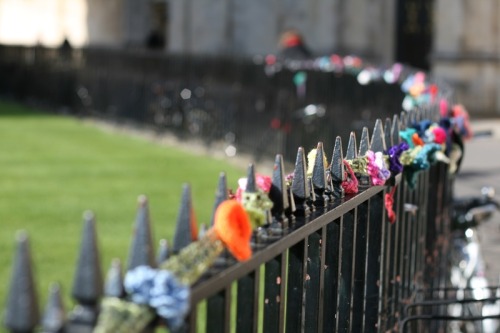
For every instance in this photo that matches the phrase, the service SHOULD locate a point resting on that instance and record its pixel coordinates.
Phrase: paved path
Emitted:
(481, 167)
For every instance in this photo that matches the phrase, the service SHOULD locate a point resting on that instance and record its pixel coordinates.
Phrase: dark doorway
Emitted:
(414, 32)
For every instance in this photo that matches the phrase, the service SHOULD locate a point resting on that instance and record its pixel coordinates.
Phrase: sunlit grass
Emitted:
(53, 168)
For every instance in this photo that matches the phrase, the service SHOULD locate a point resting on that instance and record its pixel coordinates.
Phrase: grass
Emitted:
(53, 168)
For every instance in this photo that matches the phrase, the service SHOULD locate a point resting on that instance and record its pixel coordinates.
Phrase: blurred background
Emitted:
(458, 41)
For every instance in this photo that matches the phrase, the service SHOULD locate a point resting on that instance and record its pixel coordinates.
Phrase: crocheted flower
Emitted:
(311, 159)
(350, 184)
(160, 290)
(394, 154)
(407, 136)
(439, 135)
(232, 225)
(376, 168)
(170, 298)
(263, 183)
(417, 141)
(139, 282)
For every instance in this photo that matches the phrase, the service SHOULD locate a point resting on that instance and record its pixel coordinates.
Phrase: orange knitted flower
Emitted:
(233, 228)
(417, 141)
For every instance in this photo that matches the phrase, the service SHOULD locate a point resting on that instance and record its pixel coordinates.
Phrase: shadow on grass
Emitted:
(11, 109)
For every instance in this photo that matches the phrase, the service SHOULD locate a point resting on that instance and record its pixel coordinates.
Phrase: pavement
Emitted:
(481, 167)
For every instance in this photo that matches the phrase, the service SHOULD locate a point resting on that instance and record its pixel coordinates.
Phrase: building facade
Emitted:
(458, 41)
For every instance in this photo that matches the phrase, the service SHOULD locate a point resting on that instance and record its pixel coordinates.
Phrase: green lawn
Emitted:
(53, 168)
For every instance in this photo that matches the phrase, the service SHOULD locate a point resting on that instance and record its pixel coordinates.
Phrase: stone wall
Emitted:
(254, 27)
(45, 22)
(466, 40)
(467, 52)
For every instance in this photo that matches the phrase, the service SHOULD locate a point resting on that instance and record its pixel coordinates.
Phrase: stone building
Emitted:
(458, 41)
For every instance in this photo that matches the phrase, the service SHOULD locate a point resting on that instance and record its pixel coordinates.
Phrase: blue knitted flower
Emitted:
(170, 298)
(139, 282)
(160, 290)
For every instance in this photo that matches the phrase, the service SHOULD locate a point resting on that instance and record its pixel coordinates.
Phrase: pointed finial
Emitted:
(202, 231)
(87, 282)
(22, 313)
(278, 192)
(300, 185)
(378, 139)
(141, 250)
(424, 114)
(114, 280)
(411, 120)
(337, 168)
(364, 143)
(415, 115)
(319, 177)
(54, 317)
(185, 230)
(220, 194)
(352, 149)
(163, 252)
(395, 130)
(312, 195)
(388, 133)
(292, 208)
(251, 183)
(436, 114)
(403, 120)
(364, 146)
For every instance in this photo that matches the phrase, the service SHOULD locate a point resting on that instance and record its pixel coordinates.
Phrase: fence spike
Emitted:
(395, 130)
(185, 230)
(364, 143)
(22, 312)
(364, 146)
(202, 231)
(337, 168)
(416, 114)
(411, 120)
(87, 283)
(378, 139)
(141, 250)
(312, 194)
(403, 120)
(429, 113)
(424, 112)
(278, 193)
(220, 194)
(54, 317)
(436, 114)
(163, 252)
(300, 185)
(387, 133)
(352, 149)
(251, 183)
(318, 178)
(114, 280)
(291, 211)
(421, 115)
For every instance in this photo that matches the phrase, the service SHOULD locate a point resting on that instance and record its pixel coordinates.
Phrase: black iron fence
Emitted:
(323, 262)
(327, 262)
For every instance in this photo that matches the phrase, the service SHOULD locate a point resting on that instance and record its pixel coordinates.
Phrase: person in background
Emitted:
(292, 46)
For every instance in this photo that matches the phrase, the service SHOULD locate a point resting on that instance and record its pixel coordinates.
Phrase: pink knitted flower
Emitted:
(439, 135)
(263, 182)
